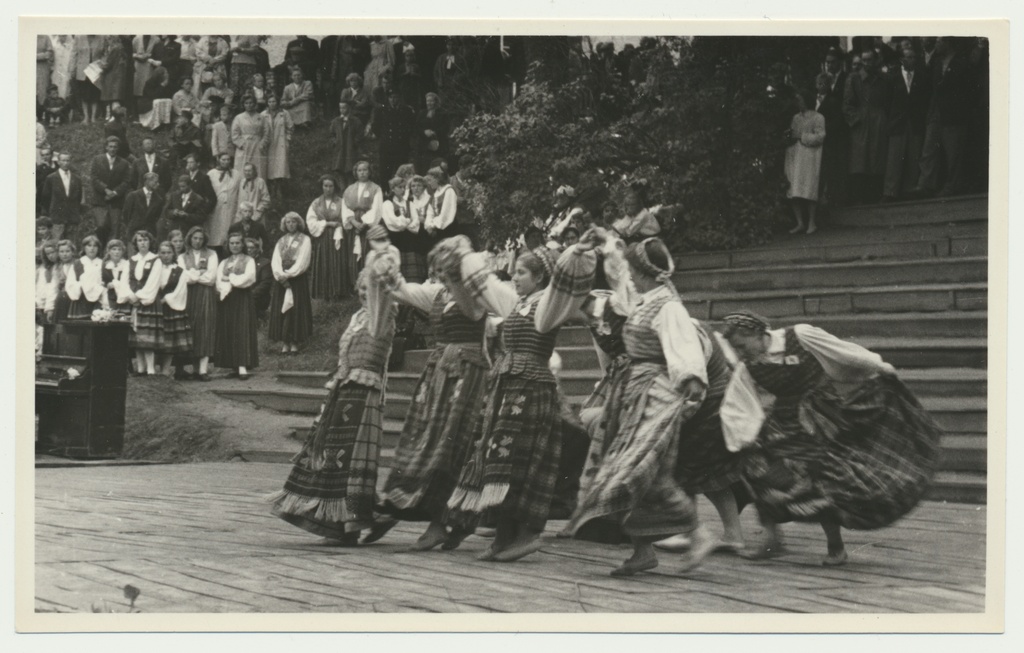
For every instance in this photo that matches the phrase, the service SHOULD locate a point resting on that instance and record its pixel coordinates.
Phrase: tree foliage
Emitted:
(702, 130)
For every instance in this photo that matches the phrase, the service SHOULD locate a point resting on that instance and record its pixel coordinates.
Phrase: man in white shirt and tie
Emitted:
(907, 118)
(151, 161)
(110, 178)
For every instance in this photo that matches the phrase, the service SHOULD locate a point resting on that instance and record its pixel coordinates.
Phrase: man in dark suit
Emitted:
(865, 105)
(910, 93)
(949, 115)
(185, 208)
(200, 181)
(151, 161)
(835, 154)
(44, 169)
(143, 207)
(63, 198)
(111, 181)
(393, 125)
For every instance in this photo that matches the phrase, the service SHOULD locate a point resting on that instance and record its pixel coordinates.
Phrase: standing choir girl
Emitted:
(46, 282)
(447, 403)
(291, 311)
(176, 327)
(331, 490)
(403, 229)
(360, 209)
(64, 269)
(635, 483)
(444, 203)
(199, 264)
(858, 459)
(115, 279)
(419, 208)
(144, 281)
(84, 285)
(236, 347)
(331, 268)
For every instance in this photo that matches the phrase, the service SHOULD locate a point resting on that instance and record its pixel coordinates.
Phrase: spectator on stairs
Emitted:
(803, 161)
(907, 120)
(865, 104)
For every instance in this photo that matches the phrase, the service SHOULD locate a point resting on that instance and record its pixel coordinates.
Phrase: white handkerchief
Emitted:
(289, 301)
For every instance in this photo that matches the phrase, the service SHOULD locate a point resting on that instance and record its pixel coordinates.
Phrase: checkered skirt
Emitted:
(176, 332)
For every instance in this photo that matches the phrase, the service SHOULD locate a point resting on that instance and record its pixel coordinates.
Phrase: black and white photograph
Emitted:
(516, 322)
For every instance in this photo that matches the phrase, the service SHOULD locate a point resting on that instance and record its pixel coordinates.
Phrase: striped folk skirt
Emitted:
(295, 325)
(437, 437)
(704, 464)
(864, 460)
(328, 268)
(176, 334)
(81, 309)
(634, 484)
(236, 331)
(149, 322)
(202, 312)
(513, 472)
(331, 488)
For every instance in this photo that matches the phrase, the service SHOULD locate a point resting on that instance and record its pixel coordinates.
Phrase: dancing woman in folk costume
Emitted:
(331, 267)
(199, 264)
(635, 483)
(331, 490)
(144, 282)
(291, 310)
(85, 281)
(115, 278)
(510, 479)
(176, 331)
(360, 210)
(448, 400)
(859, 460)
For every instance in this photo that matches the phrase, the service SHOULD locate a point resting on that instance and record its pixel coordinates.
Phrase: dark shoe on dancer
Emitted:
(349, 540)
(379, 530)
(427, 541)
(455, 538)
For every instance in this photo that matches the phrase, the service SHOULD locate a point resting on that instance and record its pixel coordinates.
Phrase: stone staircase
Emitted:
(906, 280)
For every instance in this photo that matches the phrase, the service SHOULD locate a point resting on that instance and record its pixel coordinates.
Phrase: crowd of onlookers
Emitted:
(907, 119)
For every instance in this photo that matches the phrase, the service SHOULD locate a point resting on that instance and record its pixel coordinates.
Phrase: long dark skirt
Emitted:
(202, 312)
(327, 268)
(149, 322)
(81, 309)
(61, 307)
(864, 461)
(296, 325)
(437, 436)
(514, 470)
(331, 488)
(176, 334)
(236, 331)
(704, 464)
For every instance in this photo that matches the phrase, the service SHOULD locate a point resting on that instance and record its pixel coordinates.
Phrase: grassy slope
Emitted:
(179, 422)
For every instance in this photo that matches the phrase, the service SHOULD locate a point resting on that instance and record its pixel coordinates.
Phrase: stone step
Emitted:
(965, 208)
(964, 269)
(813, 302)
(949, 324)
(964, 453)
(958, 415)
(851, 244)
(946, 382)
(959, 487)
(900, 351)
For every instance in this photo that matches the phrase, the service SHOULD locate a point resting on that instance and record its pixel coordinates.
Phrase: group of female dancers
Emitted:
(801, 424)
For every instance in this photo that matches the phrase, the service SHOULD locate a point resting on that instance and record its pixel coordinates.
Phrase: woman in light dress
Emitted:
(251, 136)
(803, 161)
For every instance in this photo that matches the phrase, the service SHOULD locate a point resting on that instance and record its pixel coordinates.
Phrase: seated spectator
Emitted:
(185, 138)
(55, 108)
(155, 105)
(297, 98)
(184, 98)
(219, 93)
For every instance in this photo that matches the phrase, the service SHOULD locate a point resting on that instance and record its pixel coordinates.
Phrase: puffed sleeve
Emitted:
(842, 361)
(177, 297)
(616, 270)
(742, 411)
(681, 343)
(147, 294)
(395, 219)
(50, 301)
(315, 225)
(245, 279)
(373, 215)
(449, 204)
(92, 281)
(481, 292)
(122, 289)
(73, 285)
(209, 276)
(276, 266)
(223, 286)
(379, 303)
(418, 295)
(570, 284)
